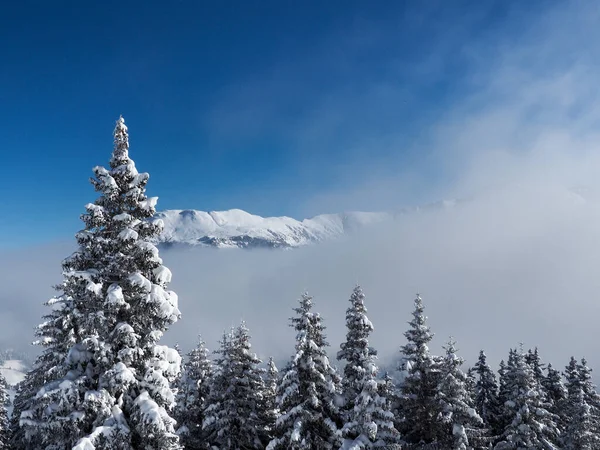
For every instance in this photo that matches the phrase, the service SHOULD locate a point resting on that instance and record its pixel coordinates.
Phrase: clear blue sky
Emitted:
(258, 105)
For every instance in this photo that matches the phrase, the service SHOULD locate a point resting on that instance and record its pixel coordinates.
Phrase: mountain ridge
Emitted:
(236, 228)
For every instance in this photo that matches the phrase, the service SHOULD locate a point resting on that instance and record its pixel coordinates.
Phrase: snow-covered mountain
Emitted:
(237, 228)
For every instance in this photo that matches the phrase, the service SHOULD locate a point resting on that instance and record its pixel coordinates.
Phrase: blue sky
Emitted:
(275, 107)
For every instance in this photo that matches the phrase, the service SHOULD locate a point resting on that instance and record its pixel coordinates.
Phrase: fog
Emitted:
(515, 265)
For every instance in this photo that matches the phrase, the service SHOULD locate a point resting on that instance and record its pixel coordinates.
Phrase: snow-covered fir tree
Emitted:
(419, 407)
(4, 425)
(462, 424)
(235, 416)
(532, 426)
(368, 422)
(388, 393)
(270, 396)
(590, 395)
(579, 427)
(193, 389)
(309, 392)
(486, 394)
(356, 354)
(505, 384)
(555, 391)
(42, 371)
(537, 367)
(111, 386)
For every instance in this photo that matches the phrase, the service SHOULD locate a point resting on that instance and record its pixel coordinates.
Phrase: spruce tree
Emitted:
(505, 385)
(555, 390)
(486, 394)
(531, 426)
(355, 352)
(4, 425)
(458, 415)
(271, 408)
(236, 411)
(419, 407)
(112, 385)
(579, 431)
(590, 395)
(537, 367)
(193, 391)
(580, 424)
(368, 422)
(41, 372)
(308, 394)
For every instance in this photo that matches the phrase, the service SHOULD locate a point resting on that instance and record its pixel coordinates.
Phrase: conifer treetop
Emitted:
(121, 149)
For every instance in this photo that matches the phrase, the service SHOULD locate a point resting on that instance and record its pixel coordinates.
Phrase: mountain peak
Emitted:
(238, 228)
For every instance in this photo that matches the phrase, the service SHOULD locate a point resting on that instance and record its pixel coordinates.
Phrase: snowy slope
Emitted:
(237, 228)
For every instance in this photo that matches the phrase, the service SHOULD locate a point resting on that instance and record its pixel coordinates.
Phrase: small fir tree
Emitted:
(419, 407)
(556, 393)
(308, 394)
(271, 408)
(458, 415)
(367, 421)
(486, 399)
(192, 395)
(4, 425)
(236, 411)
(532, 426)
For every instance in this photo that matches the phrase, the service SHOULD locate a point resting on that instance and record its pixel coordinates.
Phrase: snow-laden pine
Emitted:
(580, 427)
(486, 394)
(531, 424)
(459, 418)
(369, 421)
(419, 408)
(109, 382)
(270, 397)
(193, 389)
(309, 391)
(556, 393)
(235, 417)
(4, 425)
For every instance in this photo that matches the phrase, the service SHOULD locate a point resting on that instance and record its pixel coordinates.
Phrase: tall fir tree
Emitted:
(462, 425)
(486, 394)
(419, 408)
(531, 426)
(368, 421)
(309, 391)
(111, 386)
(192, 395)
(236, 410)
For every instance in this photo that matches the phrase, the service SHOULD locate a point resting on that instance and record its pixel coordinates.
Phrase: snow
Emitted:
(128, 234)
